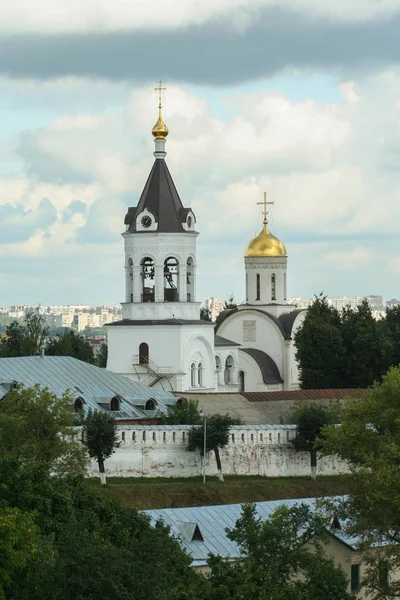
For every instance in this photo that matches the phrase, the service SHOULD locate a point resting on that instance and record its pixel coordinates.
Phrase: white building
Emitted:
(161, 340)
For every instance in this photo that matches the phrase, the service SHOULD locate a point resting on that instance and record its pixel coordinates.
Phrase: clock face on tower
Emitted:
(146, 221)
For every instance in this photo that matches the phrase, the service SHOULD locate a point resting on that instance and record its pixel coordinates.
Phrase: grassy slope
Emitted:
(172, 493)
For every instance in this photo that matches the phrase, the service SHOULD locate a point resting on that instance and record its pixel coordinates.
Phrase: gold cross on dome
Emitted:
(160, 89)
(265, 210)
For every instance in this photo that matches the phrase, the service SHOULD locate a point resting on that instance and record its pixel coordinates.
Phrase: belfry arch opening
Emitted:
(190, 280)
(129, 278)
(148, 283)
(171, 273)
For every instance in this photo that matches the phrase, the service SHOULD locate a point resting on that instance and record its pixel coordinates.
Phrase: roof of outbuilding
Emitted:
(269, 370)
(212, 522)
(220, 341)
(95, 385)
(161, 198)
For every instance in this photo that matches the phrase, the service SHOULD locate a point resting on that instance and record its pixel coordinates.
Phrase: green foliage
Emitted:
(184, 412)
(100, 436)
(60, 539)
(70, 343)
(344, 350)
(101, 359)
(217, 436)
(205, 314)
(369, 437)
(279, 560)
(230, 302)
(26, 339)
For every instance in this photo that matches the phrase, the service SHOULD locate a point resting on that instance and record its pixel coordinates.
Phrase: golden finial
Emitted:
(265, 210)
(160, 130)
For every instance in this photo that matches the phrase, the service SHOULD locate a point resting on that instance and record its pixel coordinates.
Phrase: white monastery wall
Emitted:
(160, 451)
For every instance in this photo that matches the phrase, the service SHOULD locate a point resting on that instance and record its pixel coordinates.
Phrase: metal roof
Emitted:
(95, 385)
(212, 522)
(220, 341)
(267, 365)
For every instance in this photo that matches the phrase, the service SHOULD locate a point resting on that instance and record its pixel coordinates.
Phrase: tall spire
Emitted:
(160, 130)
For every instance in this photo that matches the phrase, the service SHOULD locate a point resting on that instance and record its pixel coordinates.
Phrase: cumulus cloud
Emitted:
(329, 168)
(228, 44)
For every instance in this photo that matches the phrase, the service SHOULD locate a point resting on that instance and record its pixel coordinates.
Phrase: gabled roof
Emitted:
(269, 370)
(161, 198)
(95, 385)
(213, 521)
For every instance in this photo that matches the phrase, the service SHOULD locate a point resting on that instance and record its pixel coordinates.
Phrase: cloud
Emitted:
(17, 224)
(217, 50)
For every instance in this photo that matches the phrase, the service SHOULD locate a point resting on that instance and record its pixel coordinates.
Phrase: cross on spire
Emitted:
(265, 209)
(160, 89)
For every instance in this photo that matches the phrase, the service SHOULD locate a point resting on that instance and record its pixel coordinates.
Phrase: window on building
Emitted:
(174, 436)
(193, 375)
(279, 438)
(123, 436)
(183, 436)
(383, 576)
(270, 437)
(150, 404)
(143, 354)
(229, 370)
(144, 436)
(164, 437)
(257, 286)
(115, 403)
(284, 286)
(355, 578)
(252, 437)
(78, 404)
(242, 437)
(233, 438)
(261, 437)
(154, 436)
(273, 287)
(200, 374)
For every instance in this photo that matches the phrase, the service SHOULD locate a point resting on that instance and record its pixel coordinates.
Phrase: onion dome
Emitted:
(160, 130)
(265, 244)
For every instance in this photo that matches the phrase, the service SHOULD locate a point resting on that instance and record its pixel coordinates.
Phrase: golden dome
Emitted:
(265, 244)
(160, 130)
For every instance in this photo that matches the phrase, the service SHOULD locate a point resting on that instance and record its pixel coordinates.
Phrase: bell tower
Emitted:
(160, 245)
(265, 265)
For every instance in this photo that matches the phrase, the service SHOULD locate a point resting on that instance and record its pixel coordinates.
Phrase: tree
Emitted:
(11, 342)
(184, 412)
(26, 339)
(369, 438)
(101, 358)
(230, 302)
(278, 560)
(100, 437)
(205, 314)
(70, 343)
(217, 436)
(310, 419)
(319, 347)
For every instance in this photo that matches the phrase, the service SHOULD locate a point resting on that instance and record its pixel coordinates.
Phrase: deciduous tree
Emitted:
(70, 343)
(100, 437)
(217, 436)
(184, 412)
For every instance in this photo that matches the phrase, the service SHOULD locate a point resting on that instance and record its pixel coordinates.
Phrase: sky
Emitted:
(299, 98)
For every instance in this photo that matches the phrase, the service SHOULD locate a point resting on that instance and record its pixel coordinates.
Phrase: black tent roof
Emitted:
(160, 197)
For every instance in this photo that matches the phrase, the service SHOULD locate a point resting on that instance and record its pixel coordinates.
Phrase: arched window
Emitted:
(247, 287)
(143, 354)
(129, 281)
(257, 286)
(193, 375)
(115, 403)
(148, 281)
(171, 269)
(200, 374)
(133, 437)
(241, 381)
(229, 368)
(123, 436)
(273, 287)
(150, 404)
(78, 404)
(284, 286)
(190, 280)
(218, 369)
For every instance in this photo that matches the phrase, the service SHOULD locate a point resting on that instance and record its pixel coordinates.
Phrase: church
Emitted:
(161, 340)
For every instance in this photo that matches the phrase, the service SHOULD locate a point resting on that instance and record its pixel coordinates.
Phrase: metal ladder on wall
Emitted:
(155, 373)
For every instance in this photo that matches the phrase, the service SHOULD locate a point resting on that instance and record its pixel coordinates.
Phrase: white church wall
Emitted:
(266, 267)
(294, 365)
(253, 329)
(198, 349)
(148, 451)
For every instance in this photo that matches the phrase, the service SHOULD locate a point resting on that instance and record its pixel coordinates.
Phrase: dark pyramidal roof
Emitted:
(161, 198)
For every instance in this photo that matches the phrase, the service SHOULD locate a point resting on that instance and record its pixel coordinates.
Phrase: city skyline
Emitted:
(314, 124)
